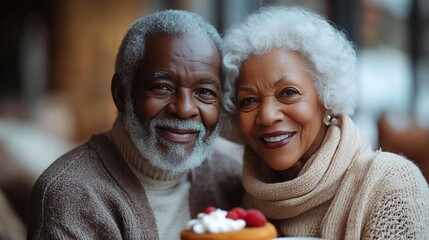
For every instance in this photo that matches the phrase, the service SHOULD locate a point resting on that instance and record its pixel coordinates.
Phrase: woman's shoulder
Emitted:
(396, 171)
(386, 172)
(396, 196)
(391, 162)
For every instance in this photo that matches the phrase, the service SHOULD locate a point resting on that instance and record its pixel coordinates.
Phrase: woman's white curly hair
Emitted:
(330, 57)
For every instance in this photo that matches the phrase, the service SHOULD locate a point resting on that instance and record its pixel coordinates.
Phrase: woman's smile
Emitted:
(276, 139)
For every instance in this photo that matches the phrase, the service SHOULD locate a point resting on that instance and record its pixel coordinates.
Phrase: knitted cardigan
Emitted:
(344, 191)
(91, 193)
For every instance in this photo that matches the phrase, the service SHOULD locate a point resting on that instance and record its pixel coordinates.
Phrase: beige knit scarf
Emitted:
(317, 181)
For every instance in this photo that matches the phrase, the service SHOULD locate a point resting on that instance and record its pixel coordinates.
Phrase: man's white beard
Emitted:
(176, 159)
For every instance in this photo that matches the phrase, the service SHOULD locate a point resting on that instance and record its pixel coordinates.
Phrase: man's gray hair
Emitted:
(169, 22)
(329, 56)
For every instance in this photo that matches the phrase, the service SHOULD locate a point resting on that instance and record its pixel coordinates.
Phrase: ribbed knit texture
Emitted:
(344, 191)
(168, 193)
(92, 193)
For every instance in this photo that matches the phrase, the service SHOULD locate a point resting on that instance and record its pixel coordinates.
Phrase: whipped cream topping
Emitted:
(215, 222)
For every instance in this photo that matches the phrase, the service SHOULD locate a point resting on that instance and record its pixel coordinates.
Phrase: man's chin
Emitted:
(179, 158)
(165, 144)
(167, 155)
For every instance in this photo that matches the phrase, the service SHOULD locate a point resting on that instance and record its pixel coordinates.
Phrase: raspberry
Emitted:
(255, 218)
(209, 210)
(241, 213)
(232, 215)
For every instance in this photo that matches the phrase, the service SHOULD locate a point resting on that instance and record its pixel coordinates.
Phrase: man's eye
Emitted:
(161, 87)
(206, 91)
(206, 95)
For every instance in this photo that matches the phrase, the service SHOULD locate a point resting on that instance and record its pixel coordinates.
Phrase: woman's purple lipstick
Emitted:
(276, 139)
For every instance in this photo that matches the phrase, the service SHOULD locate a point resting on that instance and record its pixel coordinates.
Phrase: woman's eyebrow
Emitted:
(276, 84)
(281, 81)
(245, 89)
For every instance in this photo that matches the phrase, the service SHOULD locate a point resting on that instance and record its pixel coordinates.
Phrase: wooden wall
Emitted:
(85, 38)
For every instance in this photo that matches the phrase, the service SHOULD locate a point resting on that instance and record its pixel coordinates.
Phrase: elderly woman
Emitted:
(291, 84)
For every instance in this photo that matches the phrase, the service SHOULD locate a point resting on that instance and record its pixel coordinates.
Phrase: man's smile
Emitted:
(177, 135)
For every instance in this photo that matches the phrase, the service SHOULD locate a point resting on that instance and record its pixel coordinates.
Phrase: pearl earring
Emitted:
(327, 120)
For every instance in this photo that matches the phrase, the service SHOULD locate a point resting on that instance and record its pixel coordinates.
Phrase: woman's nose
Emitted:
(269, 113)
(184, 105)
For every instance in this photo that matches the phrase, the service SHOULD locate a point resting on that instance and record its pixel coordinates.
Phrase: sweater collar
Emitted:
(140, 166)
(317, 181)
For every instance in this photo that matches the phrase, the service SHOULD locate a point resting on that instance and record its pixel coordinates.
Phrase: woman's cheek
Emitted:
(303, 113)
(246, 122)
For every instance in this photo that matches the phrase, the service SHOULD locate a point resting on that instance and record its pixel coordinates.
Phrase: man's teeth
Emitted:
(277, 138)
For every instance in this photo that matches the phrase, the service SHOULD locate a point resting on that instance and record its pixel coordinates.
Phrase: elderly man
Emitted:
(162, 162)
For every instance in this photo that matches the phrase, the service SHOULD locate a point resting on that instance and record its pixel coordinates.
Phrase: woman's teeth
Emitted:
(277, 138)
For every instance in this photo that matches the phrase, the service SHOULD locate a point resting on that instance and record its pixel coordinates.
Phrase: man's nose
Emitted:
(184, 105)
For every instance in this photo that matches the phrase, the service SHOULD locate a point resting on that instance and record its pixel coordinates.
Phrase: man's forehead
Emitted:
(190, 48)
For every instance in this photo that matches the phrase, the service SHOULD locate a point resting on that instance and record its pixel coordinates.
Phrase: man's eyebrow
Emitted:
(211, 80)
(160, 74)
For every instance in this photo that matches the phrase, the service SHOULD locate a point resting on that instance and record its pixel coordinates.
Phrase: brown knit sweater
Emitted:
(344, 191)
(91, 193)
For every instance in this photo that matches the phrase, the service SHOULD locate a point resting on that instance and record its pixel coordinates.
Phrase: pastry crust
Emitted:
(268, 231)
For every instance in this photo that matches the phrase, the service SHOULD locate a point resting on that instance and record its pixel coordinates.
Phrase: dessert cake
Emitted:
(237, 223)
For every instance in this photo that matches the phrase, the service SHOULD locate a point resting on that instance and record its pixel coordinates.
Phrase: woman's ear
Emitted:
(118, 93)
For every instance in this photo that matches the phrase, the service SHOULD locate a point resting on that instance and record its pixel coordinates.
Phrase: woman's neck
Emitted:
(293, 172)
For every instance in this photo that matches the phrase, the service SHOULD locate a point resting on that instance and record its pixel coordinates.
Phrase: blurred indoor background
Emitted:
(57, 60)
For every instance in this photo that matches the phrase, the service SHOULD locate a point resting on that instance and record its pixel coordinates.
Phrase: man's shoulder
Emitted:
(72, 163)
(225, 161)
(76, 170)
(217, 182)
(82, 188)
(83, 160)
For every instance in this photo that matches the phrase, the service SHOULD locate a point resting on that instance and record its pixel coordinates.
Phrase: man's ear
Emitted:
(118, 93)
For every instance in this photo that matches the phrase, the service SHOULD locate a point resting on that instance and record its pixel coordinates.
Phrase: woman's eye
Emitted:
(247, 102)
(289, 92)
